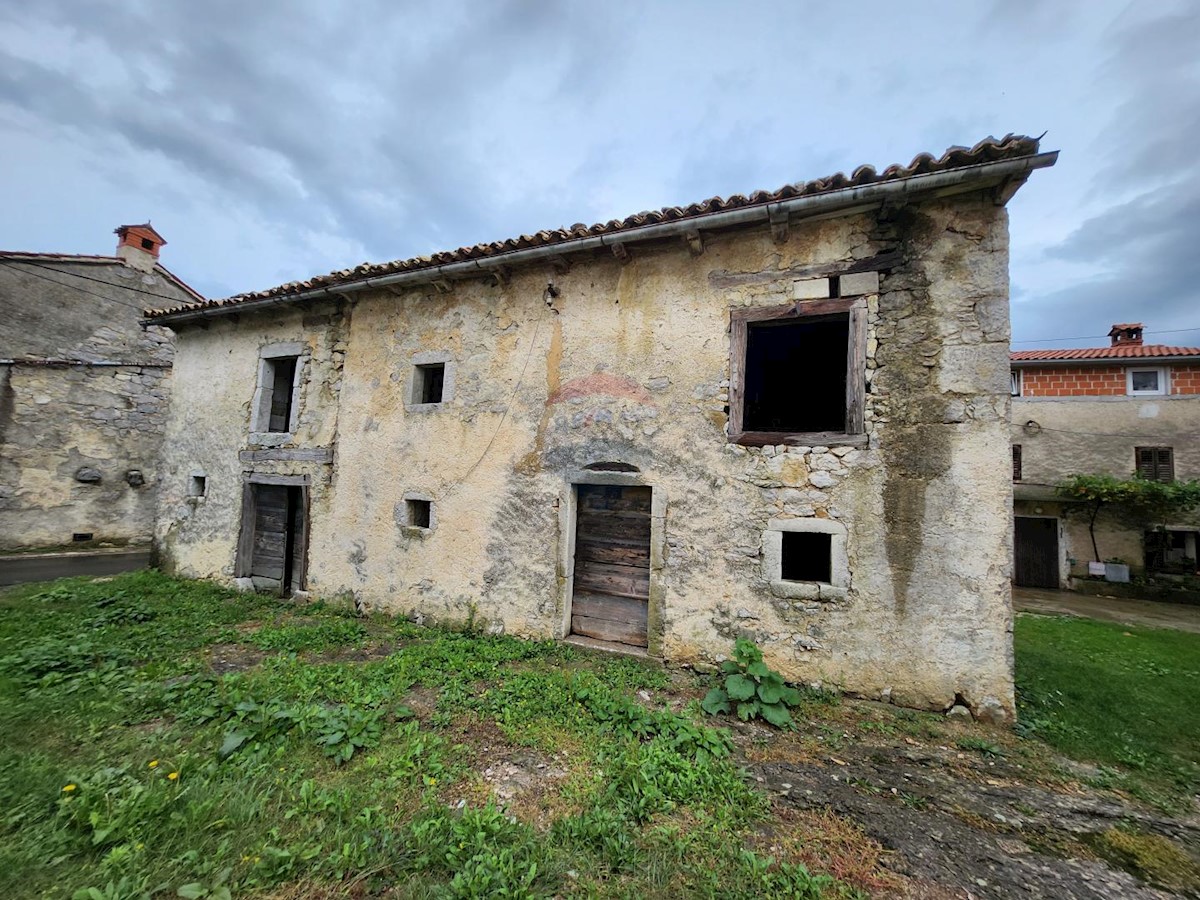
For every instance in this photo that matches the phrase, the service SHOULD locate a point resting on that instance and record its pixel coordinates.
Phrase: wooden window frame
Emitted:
(1159, 470)
(855, 308)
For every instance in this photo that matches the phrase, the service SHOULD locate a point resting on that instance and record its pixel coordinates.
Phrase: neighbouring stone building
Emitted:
(782, 415)
(83, 393)
(1129, 407)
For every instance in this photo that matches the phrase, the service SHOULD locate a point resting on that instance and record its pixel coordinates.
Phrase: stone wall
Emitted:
(629, 365)
(83, 402)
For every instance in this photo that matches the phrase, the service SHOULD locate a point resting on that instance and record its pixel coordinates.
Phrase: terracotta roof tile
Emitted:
(1133, 351)
(987, 150)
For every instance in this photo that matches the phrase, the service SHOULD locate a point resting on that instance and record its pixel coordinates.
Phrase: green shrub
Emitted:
(755, 689)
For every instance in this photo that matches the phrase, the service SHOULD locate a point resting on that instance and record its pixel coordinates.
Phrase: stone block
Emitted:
(859, 283)
(810, 289)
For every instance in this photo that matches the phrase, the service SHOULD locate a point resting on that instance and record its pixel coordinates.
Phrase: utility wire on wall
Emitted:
(17, 265)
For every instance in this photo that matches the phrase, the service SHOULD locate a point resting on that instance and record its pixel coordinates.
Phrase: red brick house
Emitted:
(1130, 406)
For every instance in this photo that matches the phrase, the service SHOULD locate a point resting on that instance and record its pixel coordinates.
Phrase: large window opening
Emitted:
(806, 556)
(796, 376)
(798, 372)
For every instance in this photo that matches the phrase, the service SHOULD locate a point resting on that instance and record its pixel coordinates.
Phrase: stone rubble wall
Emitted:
(629, 365)
(79, 442)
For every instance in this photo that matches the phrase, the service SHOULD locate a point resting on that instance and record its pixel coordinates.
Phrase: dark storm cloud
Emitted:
(1139, 248)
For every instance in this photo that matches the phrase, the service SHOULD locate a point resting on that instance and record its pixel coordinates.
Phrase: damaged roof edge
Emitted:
(807, 205)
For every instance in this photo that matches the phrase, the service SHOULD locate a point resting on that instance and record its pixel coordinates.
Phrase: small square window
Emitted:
(1146, 381)
(419, 513)
(81, 537)
(806, 556)
(147, 244)
(197, 485)
(428, 383)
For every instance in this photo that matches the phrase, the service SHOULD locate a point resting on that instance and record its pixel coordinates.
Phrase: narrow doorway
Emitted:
(274, 537)
(611, 590)
(1035, 552)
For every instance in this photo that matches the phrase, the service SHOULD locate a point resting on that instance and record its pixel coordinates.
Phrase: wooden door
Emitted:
(1035, 550)
(278, 539)
(611, 593)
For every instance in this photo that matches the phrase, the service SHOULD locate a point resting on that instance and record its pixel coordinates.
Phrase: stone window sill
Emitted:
(270, 438)
(802, 439)
(807, 590)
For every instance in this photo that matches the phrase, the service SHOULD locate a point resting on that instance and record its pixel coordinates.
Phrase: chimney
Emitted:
(137, 246)
(1127, 334)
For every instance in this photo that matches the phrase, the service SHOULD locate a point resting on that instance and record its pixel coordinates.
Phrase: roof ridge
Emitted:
(990, 149)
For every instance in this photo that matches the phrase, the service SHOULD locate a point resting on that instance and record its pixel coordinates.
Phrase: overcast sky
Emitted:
(270, 141)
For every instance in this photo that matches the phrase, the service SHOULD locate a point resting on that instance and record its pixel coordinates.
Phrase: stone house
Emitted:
(83, 393)
(782, 415)
(1129, 407)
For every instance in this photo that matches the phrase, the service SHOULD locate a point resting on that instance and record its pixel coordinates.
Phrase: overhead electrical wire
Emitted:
(1090, 337)
(124, 287)
(71, 287)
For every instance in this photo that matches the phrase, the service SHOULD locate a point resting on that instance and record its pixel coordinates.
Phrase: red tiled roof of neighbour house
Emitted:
(1011, 147)
(16, 256)
(1142, 351)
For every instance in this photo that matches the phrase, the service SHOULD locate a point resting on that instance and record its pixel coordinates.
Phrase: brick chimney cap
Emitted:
(1126, 326)
(145, 228)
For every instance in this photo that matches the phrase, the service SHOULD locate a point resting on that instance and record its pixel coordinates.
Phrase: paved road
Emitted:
(1110, 609)
(19, 568)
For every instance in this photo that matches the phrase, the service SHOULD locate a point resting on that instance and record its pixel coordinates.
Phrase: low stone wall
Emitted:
(1144, 591)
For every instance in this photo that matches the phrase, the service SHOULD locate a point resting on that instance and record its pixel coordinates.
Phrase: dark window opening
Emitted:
(1156, 463)
(429, 382)
(795, 377)
(1016, 462)
(420, 513)
(147, 244)
(80, 537)
(197, 485)
(806, 556)
(281, 373)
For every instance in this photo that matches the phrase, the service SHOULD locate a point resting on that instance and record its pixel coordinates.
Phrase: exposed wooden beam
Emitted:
(1004, 191)
(695, 243)
(442, 286)
(501, 275)
(621, 252)
(779, 225)
(561, 264)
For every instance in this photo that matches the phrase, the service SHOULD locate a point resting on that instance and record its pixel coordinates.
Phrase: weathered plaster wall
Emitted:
(209, 433)
(99, 414)
(631, 365)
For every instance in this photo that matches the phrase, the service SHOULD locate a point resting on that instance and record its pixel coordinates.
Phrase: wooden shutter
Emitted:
(1016, 462)
(1156, 463)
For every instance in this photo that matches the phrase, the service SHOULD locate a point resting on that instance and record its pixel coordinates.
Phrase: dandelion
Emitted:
(68, 788)
(153, 763)
(174, 776)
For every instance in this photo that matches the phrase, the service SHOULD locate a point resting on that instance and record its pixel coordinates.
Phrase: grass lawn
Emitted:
(165, 738)
(1121, 696)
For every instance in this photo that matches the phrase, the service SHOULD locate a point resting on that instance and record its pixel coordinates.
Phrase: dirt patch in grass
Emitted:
(993, 819)
(226, 658)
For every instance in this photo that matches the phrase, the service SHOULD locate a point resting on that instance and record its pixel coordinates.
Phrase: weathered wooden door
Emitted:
(1035, 550)
(611, 593)
(278, 536)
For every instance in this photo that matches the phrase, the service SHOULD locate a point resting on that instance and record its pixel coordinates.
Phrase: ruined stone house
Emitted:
(1129, 407)
(782, 415)
(83, 393)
